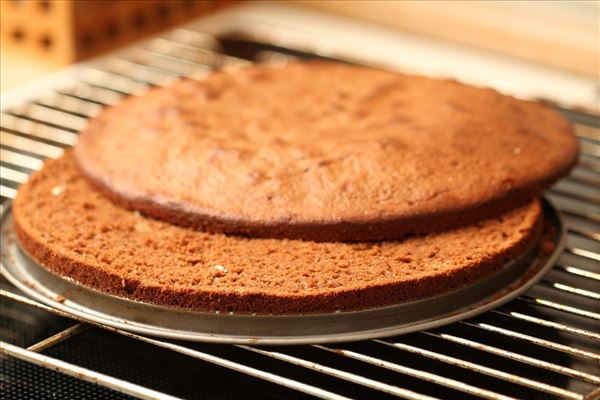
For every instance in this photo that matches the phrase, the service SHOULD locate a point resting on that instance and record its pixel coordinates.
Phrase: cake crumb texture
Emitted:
(82, 235)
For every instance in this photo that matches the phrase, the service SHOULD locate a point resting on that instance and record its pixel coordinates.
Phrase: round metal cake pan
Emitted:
(515, 278)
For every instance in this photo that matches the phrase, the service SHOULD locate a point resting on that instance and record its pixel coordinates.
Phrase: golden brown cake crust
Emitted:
(74, 231)
(324, 152)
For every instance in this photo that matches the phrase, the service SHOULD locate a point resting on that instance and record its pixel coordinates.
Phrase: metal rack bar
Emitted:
(42, 113)
(250, 371)
(87, 93)
(41, 122)
(589, 165)
(585, 233)
(587, 132)
(578, 271)
(59, 337)
(560, 369)
(71, 107)
(589, 149)
(83, 373)
(13, 175)
(118, 83)
(166, 62)
(549, 324)
(14, 158)
(592, 255)
(197, 55)
(577, 196)
(31, 146)
(570, 289)
(7, 192)
(583, 180)
(12, 123)
(426, 376)
(594, 217)
(340, 374)
(560, 307)
(195, 65)
(535, 340)
(495, 373)
(139, 72)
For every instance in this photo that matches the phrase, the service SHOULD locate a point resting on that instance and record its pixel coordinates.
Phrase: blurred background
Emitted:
(41, 36)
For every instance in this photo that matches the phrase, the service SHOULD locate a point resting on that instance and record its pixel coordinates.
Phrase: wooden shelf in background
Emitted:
(563, 34)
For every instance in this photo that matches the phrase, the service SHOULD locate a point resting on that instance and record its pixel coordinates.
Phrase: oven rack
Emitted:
(545, 344)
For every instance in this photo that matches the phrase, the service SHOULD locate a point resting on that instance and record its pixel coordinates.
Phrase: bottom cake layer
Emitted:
(73, 231)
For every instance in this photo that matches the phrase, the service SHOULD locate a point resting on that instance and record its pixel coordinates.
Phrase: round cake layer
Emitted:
(324, 152)
(76, 232)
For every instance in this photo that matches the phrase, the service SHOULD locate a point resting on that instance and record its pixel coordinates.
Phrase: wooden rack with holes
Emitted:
(64, 31)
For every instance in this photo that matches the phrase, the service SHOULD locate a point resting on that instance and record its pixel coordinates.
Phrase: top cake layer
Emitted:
(324, 151)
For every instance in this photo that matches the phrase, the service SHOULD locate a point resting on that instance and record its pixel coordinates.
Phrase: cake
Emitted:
(323, 152)
(63, 222)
